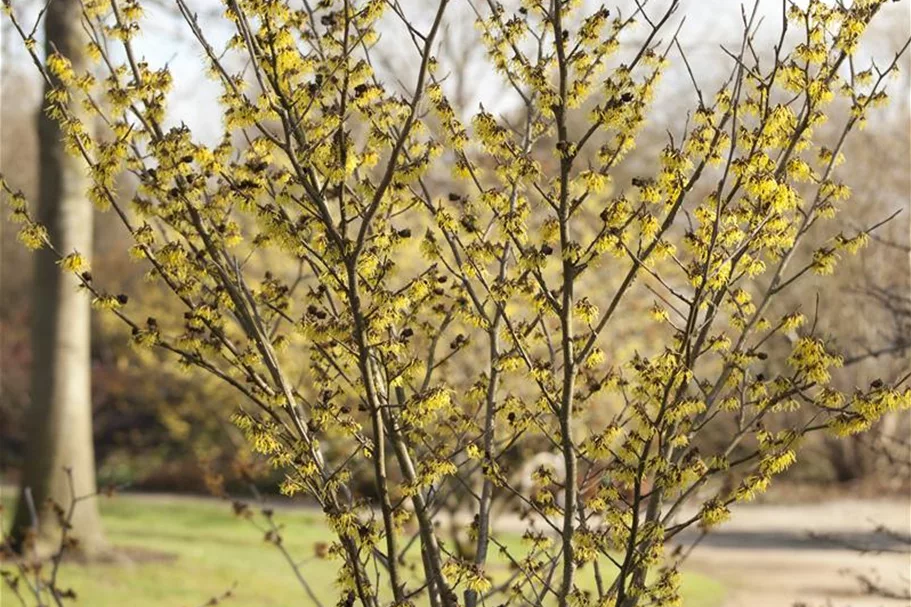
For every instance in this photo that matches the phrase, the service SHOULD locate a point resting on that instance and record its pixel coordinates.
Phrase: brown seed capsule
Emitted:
(321, 550)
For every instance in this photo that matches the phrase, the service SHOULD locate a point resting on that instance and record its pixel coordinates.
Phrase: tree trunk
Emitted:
(60, 418)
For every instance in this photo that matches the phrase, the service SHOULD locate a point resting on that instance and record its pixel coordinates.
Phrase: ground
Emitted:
(191, 549)
(781, 555)
(180, 552)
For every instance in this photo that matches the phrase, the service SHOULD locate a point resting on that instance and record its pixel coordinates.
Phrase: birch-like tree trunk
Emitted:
(60, 418)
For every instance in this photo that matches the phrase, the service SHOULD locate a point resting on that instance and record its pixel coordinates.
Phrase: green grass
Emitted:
(209, 550)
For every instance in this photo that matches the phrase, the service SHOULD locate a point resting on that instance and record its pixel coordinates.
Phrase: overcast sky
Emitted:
(708, 24)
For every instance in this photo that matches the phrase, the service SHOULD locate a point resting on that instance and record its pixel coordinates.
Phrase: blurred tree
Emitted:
(60, 419)
(154, 423)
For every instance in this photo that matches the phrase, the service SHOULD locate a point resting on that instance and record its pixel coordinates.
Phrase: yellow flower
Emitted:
(74, 262)
(658, 313)
(824, 261)
(586, 310)
(810, 358)
(33, 235)
(713, 513)
(478, 582)
(108, 302)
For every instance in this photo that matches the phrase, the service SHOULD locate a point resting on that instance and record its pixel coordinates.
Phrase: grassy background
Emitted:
(197, 548)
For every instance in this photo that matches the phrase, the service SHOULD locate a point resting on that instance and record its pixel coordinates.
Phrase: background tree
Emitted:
(60, 417)
(155, 425)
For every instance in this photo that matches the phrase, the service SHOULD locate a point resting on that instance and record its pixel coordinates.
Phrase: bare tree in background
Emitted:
(60, 432)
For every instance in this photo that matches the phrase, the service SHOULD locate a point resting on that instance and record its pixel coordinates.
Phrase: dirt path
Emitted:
(773, 555)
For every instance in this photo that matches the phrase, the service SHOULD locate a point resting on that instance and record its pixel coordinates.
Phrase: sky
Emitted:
(708, 24)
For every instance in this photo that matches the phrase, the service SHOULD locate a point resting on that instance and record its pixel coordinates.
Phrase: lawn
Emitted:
(203, 549)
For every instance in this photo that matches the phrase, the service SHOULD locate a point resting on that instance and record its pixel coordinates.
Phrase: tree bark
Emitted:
(60, 418)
